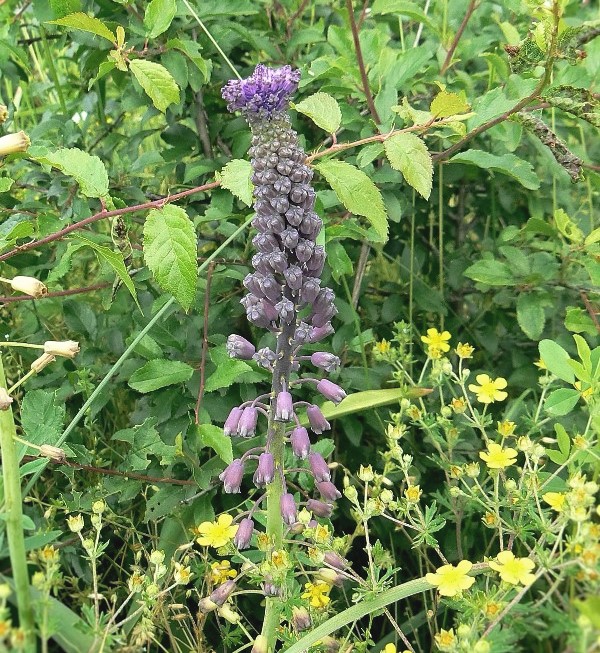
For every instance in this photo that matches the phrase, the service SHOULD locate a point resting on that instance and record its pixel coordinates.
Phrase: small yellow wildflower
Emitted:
(445, 639)
(317, 594)
(437, 343)
(4, 628)
(280, 559)
(321, 534)
(490, 519)
(217, 533)
(497, 457)
(464, 350)
(513, 570)
(539, 363)
(413, 493)
(382, 347)
(182, 575)
(556, 500)
(506, 428)
(451, 580)
(389, 648)
(489, 390)
(48, 554)
(458, 405)
(221, 571)
(492, 608)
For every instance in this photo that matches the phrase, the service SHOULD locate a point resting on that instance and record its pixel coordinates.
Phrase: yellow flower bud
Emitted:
(28, 285)
(76, 523)
(12, 143)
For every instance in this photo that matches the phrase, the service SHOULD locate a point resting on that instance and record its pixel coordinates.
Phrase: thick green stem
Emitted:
(14, 520)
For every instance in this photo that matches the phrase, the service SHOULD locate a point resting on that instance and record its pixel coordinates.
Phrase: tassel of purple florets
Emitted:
(284, 292)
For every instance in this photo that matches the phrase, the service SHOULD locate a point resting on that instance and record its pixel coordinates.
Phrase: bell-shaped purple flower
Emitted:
(319, 508)
(318, 333)
(222, 592)
(319, 467)
(265, 471)
(247, 423)
(232, 421)
(293, 277)
(238, 347)
(328, 491)
(284, 407)
(243, 534)
(265, 357)
(300, 442)
(232, 476)
(325, 361)
(310, 290)
(285, 310)
(317, 420)
(320, 317)
(335, 560)
(288, 508)
(331, 391)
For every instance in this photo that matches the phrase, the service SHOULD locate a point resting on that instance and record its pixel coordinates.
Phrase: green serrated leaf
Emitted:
(228, 370)
(507, 164)
(86, 23)
(192, 50)
(323, 110)
(556, 359)
(531, 315)
(158, 374)
(403, 8)
(157, 81)
(236, 177)
(579, 321)
(42, 417)
(491, 272)
(114, 259)
(170, 252)
(6, 184)
(446, 104)
(159, 16)
(408, 154)
(13, 229)
(357, 193)
(145, 441)
(213, 437)
(87, 170)
(561, 402)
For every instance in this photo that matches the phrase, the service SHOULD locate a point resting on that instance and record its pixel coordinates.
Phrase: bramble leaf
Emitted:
(235, 177)
(157, 81)
(159, 16)
(86, 23)
(159, 373)
(323, 110)
(408, 154)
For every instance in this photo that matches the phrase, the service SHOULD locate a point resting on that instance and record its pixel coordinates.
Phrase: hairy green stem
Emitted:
(14, 520)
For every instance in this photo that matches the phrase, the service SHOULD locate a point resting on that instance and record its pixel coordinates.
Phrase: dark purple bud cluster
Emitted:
(284, 292)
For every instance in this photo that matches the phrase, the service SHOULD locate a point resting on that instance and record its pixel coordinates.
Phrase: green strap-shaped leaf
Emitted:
(170, 252)
(157, 81)
(357, 193)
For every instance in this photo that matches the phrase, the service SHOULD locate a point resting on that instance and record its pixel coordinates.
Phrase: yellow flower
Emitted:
(498, 458)
(382, 347)
(437, 343)
(5, 628)
(280, 559)
(317, 594)
(539, 363)
(513, 570)
(556, 500)
(464, 350)
(221, 571)
(413, 493)
(489, 390)
(217, 533)
(389, 648)
(321, 534)
(506, 428)
(182, 574)
(458, 405)
(445, 639)
(451, 580)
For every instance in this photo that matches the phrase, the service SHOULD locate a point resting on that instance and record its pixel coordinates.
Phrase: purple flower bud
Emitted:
(265, 357)
(265, 471)
(287, 506)
(270, 589)
(285, 310)
(265, 243)
(284, 407)
(330, 576)
(318, 333)
(310, 290)
(238, 347)
(293, 277)
(232, 476)
(252, 283)
(302, 333)
(320, 317)
(328, 491)
(280, 204)
(301, 174)
(325, 361)
(289, 238)
(222, 592)
(232, 421)
(331, 391)
(300, 442)
(275, 224)
(324, 299)
(334, 560)
(247, 423)
(298, 194)
(317, 420)
(278, 261)
(243, 534)
(294, 215)
(319, 467)
(317, 261)
(283, 185)
(250, 300)
(319, 508)
(269, 311)
(256, 315)
(304, 250)
(311, 225)
(270, 288)
(260, 262)
(300, 618)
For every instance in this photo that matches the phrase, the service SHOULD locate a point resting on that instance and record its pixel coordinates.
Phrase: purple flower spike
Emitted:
(317, 420)
(265, 471)
(319, 508)
(265, 92)
(325, 361)
(319, 467)
(238, 347)
(288, 509)
(328, 491)
(247, 423)
(331, 391)
(243, 534)
(232, 476)
(284, 407)
(232, 421)
(300, 442)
